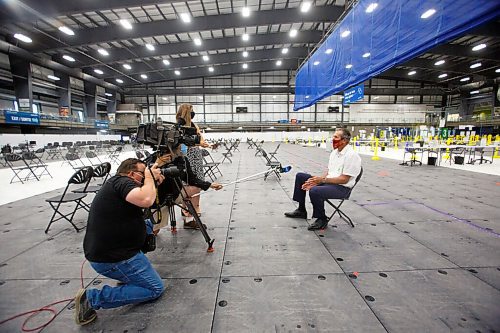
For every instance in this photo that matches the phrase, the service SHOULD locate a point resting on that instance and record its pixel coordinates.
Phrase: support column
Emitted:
(111, 104)
(22, 79)
(90, 105)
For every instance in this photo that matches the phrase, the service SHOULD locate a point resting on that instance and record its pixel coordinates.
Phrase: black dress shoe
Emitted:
(301, 214)
(319, 224)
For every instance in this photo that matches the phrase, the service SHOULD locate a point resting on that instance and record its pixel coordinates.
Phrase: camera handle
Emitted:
(192, 211)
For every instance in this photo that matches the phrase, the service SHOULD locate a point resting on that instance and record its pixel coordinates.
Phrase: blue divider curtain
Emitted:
(373, 38)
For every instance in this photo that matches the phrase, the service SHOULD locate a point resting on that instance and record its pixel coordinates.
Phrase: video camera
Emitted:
(164, 135)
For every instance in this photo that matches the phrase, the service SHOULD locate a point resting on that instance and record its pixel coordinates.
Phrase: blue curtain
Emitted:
(392, 33)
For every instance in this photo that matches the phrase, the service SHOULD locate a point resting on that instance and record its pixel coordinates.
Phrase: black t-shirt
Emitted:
(115, 228)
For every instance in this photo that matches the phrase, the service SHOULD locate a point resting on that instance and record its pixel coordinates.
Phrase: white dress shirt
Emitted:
(346, 162)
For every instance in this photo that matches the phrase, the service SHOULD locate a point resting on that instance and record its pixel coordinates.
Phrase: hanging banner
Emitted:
(354, 94)
(22, 118)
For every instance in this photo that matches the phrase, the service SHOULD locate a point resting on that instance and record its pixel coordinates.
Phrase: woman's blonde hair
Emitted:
(184, 112)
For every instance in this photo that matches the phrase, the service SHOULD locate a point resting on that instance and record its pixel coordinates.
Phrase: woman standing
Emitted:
(194, 154)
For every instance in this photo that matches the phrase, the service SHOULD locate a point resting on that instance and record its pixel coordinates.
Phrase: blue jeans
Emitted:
(141, 283)
(318, 194)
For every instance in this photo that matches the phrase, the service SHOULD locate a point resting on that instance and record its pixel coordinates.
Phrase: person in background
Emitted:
(343, 168)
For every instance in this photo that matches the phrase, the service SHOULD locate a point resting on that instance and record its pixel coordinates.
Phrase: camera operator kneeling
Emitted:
(168, 187)
(115, 234)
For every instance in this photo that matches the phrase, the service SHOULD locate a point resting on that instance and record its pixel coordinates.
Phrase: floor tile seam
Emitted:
(225, 247)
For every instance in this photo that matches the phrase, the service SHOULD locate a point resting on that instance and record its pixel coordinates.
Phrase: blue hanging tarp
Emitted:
(367, 43)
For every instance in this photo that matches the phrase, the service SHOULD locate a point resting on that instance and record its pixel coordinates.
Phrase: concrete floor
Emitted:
(424, 257)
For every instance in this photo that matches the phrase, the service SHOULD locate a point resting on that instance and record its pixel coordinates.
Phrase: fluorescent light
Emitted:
(306, 5)
(210, 69)
(345, 33)
(66, 30)
(316, 63)
(23, 38)
(473, 92)
(245, 54)
(103, 52)
(205, 58)
(412, 73)
(465, 79)
(150, 47)
(245, 12)
(127, 66)
(69, 58)
(285, 50)
(245, 66)
(237, 97)
(497, 70)
(439, 62)
(478, 47)
(144, 76)
(278, 63)
(126, 24)
(52, 77)
(348, 66)
(177, 72)
(200, 97)
(307, 97)
(366, 55)
(119, 80)
(197, 41)
(376, 97)
(428, 13)
(476, 65)
(371, 7)
(166, 62)
(245, 37)
(409, 97)
(274, 97)
(98, 71)
(329, 51)
(186, 17)
(164, 98)
(108, 94)
(293, 32)
(442, 76)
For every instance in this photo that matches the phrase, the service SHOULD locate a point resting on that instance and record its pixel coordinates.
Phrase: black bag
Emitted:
(149, 244)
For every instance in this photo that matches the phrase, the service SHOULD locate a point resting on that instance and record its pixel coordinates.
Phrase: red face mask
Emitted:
(336, 143)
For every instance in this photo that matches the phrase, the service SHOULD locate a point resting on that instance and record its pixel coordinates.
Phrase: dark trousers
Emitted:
(318, 194)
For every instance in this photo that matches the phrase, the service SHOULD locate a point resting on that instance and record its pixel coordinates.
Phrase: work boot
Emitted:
(84, 314)
(319, 224)
(193, 225)
(300, 214)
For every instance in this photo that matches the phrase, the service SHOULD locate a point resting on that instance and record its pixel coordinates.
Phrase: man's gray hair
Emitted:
(346, 134)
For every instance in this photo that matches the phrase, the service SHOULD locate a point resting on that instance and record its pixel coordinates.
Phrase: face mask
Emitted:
(336, 143)
(184, 149)
(192, 114)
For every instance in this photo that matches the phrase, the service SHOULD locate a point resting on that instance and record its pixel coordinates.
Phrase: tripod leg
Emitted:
(203, 230)
(173, 222)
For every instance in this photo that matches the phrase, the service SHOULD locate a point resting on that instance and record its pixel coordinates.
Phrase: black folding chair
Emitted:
(272, 154)
(259, 148)
(35, 163)
(21, 169)
(82, 176)
(100, 171)
(273, 166)
(92, 156)
(343, 215)
(114, 155)
(210, 167)
(73, 159)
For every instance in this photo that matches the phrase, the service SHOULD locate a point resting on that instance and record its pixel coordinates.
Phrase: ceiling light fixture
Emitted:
(66, 30)
(165, 98)
(412, 72)
(285, 50)
(23, 38)
(409, 97)
(150, 47)
(476, 65)
(127, 66)
(371, 7)
(428, 13)
(126, 24)
(316, 63)
(144, 76)
(245, 66)
(197, 41)
(108, 94)
(278, 63)
(442, 76)
(439, 62)
(205, 58)
(119, 80)
(348, 66)
(245, 37)
(376, 97)
(465, 79)
(497, 70)
(306, 5)
(307, 97)
(237, 97)
(98, 71)
(103, 52)
(210, 69)
(345, 33)
(69, 58)
(274, 97)
(366, 55)
(245, 12)
(177, 72)
(293, 32)
(200, 97)
(166, 62)
(185, 17)
(473, 92)
(52, 77)
(478, 47)
(329, 51)
(245, 54)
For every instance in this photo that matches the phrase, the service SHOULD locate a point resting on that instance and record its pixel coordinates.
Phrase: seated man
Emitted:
(115, 234)
(168, 187)
(343, 168)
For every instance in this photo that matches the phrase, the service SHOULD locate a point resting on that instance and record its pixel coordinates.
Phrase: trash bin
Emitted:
(431, 160)
(459, 160)
(382, 148)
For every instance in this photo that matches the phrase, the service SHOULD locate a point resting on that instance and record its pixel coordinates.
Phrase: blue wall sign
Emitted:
(23, 118)
(354, 94)
(102, 124)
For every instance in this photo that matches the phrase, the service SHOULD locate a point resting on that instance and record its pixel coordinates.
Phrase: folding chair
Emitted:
(72, 159)
(271, 155)
(259, 148)
(226, 154)
(337, 207)
(18, 165)
(210, 167)
(139, 154)
(114, 155)
(91, 156)
(272, 166)
(82, 176)
(34, 162)
(100, 171)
